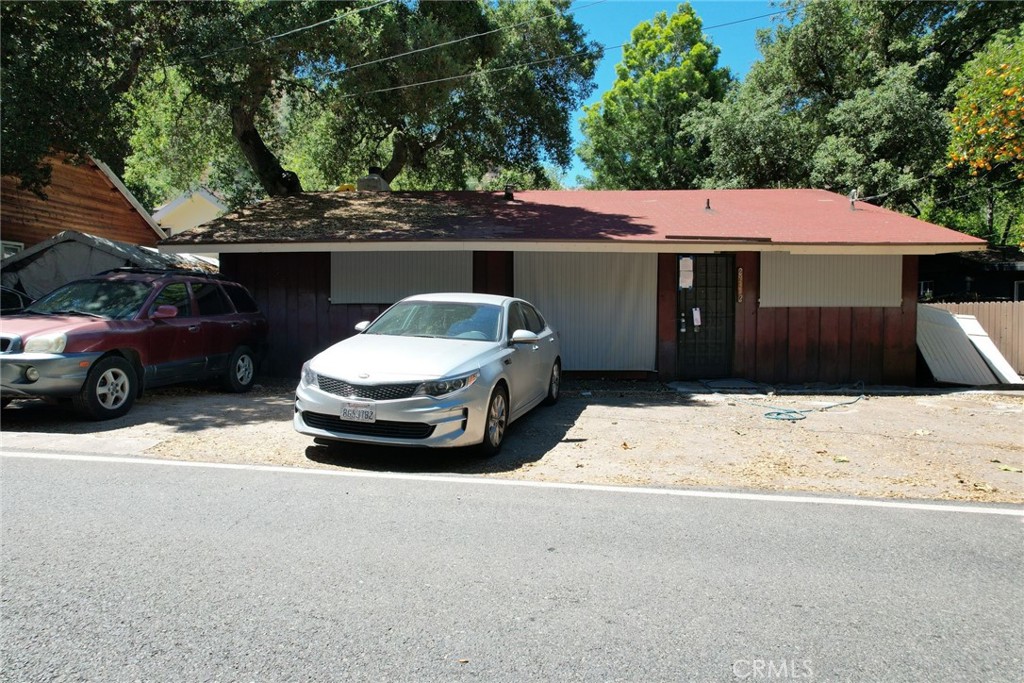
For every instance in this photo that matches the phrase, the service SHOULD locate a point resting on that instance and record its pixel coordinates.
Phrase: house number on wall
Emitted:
(739, 285)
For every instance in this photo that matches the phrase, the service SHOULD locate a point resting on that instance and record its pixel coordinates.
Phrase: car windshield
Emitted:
(118, 300)
(440, 319)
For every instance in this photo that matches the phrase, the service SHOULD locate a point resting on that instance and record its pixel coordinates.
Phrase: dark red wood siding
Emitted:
(293, 290)
(833, 345)
(493, 272)
(668, 334)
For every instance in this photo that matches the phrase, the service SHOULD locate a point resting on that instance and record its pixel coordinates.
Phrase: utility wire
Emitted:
(353, 67)
(481, 72)
(293, 31)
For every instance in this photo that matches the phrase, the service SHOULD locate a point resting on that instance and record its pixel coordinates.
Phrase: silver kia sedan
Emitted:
(436, 370)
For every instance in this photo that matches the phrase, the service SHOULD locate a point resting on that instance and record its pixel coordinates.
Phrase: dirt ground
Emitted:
(942, 444)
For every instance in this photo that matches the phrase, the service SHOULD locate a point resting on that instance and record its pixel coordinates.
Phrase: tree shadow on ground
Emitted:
(185, 408)
(527, 440)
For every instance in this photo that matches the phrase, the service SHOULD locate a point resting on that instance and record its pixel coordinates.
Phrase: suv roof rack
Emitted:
(163, 271)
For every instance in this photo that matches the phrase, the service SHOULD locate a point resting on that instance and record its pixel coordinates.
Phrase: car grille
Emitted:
(376, 392)
(9, 344)
(383, 428)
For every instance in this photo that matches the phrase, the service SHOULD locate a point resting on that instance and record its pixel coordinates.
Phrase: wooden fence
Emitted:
(1004, 322)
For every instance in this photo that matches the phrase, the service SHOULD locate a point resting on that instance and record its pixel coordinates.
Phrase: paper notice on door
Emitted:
(696, 317)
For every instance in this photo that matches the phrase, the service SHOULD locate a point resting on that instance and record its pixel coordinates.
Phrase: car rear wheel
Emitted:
(554, 385)
(241, 372)
(109, 390)
(497, 421)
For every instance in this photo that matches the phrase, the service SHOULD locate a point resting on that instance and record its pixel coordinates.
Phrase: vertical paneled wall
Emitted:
(875, 345)
(293, 291)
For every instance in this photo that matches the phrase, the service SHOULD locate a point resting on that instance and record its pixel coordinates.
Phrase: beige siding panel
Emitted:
(386, 277)
(603, 305)
(1004, 323)
(798, 280)
(945, 343)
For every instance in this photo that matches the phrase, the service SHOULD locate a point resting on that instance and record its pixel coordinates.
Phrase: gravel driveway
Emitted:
(943, 444)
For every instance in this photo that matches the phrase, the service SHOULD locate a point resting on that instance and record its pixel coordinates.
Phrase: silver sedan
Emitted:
(436, 370)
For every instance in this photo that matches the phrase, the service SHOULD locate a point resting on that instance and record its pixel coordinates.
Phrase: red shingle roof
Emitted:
(745, 217)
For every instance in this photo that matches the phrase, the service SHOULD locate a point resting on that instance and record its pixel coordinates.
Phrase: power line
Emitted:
(346, 69)
(293, 31)
(481, 72)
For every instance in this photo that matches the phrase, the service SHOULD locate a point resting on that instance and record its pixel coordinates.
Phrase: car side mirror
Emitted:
(362, 325)
(524, 337)
(164, 311)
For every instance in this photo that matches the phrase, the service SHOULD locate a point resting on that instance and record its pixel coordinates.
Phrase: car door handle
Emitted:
(234, 325)
(193, 328)
(508, 361)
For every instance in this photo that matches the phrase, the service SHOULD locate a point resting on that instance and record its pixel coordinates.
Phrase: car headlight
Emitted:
(46, 343)
(450, 385)
(308, 376)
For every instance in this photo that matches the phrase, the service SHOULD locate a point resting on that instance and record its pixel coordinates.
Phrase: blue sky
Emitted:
(610, 23)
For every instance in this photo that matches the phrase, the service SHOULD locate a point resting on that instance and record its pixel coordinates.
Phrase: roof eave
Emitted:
(680, 246)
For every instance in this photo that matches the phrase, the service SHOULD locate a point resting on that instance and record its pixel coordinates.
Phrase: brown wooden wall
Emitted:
(774, 345)
(831, 345)
(80, 198)
(493, 273)
(293, 290)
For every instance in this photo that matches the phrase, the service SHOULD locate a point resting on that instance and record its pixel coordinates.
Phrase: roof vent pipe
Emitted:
(508, 192)
(707, 204)
(853, 199)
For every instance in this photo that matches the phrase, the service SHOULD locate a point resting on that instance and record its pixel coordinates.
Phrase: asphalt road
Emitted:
(130, 571)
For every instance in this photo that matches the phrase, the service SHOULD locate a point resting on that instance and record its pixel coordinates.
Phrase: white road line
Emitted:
(482, 481)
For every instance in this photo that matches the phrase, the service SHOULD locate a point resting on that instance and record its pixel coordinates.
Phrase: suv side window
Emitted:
(243, 302)
(533, 320)
(211, 299)
(174, 294)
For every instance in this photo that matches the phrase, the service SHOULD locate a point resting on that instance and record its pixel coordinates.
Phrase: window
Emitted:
(368, 277)
(534, 322)
(838, 281)
(515, 319)
(11, 248)
(210, 299)
(1018, 290)
(925, 289)
(243, 302)
(174, 294)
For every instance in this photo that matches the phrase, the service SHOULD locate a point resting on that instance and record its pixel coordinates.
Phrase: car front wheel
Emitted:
(241, 372)
(554, 385)
(109, 390)
(497, 421)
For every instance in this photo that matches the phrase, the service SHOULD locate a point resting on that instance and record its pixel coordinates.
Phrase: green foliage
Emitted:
(645, 131)
(854, 95)
(883, 139)
(988, 119)
(65, 70)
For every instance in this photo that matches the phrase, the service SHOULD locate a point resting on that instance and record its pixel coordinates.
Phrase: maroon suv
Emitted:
(100, 341)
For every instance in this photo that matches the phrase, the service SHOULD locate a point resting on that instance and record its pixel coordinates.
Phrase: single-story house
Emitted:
(85, 197)
(187, 210)
(781, 286)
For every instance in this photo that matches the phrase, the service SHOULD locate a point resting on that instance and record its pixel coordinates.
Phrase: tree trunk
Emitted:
(277, 181)
(399, 155)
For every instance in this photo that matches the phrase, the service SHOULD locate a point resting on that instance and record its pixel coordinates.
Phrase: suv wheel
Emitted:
(109, 390)
(241, 371)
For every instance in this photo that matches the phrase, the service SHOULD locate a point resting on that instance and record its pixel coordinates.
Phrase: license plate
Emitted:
(359, 411)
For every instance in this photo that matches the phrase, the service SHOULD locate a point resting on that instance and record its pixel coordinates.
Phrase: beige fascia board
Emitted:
(644, 247)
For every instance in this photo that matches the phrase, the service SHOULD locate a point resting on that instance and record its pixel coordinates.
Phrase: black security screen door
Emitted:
(706, 316)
